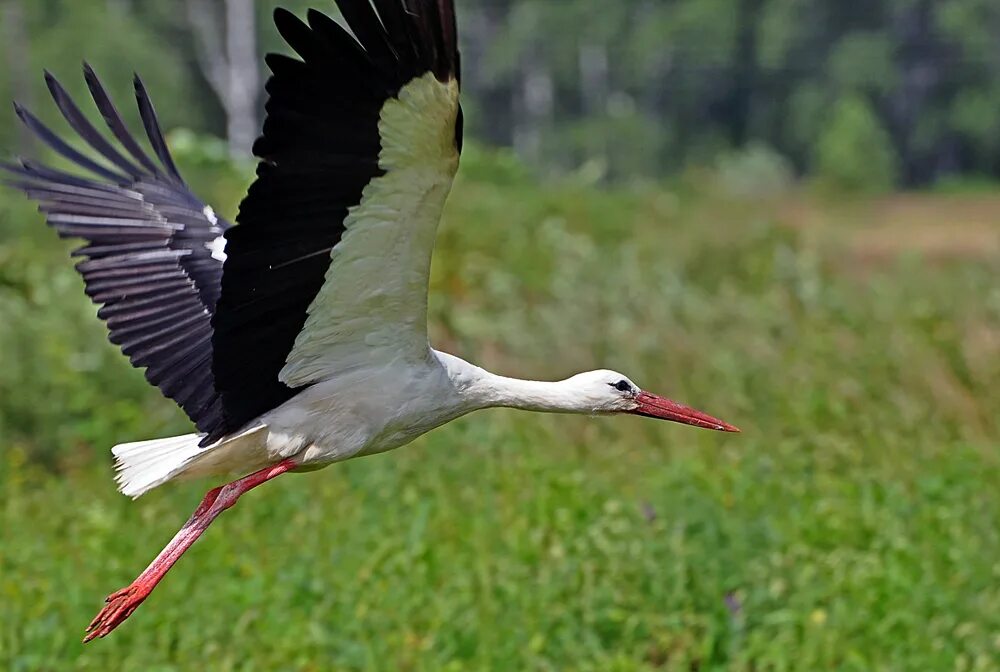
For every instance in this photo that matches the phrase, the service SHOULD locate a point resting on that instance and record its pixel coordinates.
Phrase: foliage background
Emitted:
(636, 87)
(779, 210)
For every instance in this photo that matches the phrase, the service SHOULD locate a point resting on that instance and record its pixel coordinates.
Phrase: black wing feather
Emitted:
(62, 148)
(153, 131)
(79, 123)
(365, 24)
(114, 121)
(146, 260)
(401, 35)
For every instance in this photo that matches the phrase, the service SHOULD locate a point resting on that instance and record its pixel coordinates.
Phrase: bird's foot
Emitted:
(120, 606)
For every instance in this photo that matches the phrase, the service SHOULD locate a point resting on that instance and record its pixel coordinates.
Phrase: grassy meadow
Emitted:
(854, 525)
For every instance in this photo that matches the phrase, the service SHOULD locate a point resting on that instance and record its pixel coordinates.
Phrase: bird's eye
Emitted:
(622, 386)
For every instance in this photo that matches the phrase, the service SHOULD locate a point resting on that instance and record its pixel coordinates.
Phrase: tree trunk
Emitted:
(230, 65)
(594, 91)
(594, 78)
(534, 105)
(244, 75)
(482, 22)
(920, 58)
(745, 70)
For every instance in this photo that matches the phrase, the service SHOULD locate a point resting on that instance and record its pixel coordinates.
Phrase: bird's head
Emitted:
(609, 392)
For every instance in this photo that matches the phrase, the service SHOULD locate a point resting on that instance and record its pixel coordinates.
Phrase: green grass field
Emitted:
(854, 525)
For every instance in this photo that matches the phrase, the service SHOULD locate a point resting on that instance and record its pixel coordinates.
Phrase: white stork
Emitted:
(298, 338)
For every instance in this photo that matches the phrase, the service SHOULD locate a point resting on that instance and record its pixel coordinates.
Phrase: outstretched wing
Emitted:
(328, 267)
(152, 253)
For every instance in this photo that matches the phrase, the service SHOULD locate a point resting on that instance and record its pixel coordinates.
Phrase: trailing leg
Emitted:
(123, 603)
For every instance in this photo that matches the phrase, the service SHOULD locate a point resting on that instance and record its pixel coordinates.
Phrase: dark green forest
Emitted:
(866, 93)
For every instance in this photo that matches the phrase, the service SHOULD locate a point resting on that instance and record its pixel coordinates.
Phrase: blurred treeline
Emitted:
(862, 93)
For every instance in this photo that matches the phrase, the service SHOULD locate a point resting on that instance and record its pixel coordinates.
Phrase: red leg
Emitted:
(122, 604)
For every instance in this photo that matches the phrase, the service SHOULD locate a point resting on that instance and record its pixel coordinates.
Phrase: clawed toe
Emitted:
(119, 606)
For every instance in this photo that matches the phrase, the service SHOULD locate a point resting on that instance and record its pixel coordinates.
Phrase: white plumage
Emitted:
(143, 465)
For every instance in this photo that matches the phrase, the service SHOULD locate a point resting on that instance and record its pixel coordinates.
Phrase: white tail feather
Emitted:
(143, 465)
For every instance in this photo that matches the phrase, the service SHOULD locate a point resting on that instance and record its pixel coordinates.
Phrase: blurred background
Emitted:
(786, 212)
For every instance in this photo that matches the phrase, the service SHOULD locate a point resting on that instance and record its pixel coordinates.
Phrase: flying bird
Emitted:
(297, 338)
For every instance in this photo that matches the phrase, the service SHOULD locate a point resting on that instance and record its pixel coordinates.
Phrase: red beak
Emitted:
(652, 406)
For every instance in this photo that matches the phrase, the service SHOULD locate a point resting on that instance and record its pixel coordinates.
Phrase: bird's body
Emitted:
(365, 411)
(373, 409)
(298, 338)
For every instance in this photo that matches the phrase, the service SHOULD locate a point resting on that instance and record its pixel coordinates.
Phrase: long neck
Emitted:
(481, 389)
(527, 395)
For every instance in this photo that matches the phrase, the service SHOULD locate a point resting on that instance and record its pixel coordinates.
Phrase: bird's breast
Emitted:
(360, 414)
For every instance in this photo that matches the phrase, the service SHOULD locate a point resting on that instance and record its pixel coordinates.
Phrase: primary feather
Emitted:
(147, 253)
